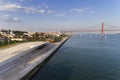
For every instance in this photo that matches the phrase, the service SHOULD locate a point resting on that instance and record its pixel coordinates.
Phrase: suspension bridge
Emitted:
(99, 29)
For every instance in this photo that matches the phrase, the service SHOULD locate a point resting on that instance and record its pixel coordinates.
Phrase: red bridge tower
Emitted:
(102, 31)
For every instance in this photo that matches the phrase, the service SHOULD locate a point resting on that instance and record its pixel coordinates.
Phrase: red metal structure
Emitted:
(102, 31)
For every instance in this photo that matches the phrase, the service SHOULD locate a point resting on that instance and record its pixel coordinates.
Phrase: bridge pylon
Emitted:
(102, 31)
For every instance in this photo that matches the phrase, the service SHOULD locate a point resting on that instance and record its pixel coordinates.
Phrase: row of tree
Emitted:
(35, 37)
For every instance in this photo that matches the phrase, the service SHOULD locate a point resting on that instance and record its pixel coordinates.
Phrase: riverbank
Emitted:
(24, 65)
(43, 59)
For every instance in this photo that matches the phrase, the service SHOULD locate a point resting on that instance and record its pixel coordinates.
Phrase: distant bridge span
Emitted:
(102, 30)
(90, 30)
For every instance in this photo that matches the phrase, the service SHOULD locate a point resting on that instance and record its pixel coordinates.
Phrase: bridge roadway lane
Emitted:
(15, 67)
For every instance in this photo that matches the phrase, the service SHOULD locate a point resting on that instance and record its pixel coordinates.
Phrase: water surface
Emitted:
(84, 57)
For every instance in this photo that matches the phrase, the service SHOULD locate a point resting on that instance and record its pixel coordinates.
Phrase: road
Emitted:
(19, 65)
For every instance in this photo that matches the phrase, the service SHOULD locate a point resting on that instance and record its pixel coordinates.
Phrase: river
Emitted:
(84, 57)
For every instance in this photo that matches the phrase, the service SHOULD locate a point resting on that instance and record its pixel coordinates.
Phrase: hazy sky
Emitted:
(43, 15)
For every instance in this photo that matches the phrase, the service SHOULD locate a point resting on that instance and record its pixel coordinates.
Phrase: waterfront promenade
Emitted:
(18, 68)
(15, 50)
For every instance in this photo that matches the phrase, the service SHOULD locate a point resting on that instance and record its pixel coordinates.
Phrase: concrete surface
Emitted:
(19, 67)
(15, 50)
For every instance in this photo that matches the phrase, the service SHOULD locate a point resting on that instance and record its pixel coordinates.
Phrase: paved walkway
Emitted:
(17, 69)
(15, 50)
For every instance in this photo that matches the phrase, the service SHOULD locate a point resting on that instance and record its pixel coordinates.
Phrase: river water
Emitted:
(84, 57)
